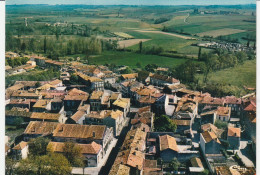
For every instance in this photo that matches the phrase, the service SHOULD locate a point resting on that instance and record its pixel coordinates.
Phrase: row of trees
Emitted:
(16, 61)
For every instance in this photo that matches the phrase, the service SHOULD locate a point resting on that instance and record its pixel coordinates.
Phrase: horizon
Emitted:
(132, 2)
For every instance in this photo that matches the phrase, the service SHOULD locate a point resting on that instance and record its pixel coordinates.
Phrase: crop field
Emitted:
(131, 42)
(241, 75)
(131, 59)
(123, 35)
(221, 32)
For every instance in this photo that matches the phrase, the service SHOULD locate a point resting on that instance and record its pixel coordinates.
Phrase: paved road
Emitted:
(110, 161)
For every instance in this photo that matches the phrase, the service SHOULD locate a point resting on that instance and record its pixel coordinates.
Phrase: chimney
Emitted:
(94, 134)
(61, 129)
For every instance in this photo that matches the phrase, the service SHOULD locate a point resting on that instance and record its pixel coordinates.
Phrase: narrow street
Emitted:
(106, 168)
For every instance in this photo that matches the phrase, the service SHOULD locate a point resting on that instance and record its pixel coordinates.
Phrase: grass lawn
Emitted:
(130, 59)
(241, 75)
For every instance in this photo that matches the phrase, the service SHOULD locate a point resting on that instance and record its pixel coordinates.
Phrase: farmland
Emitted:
(111, 34)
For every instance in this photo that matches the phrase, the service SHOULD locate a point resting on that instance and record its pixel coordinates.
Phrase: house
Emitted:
(24, 95)
(42, 105)
(95, 100)
(57, 104)
(235, 105)
(129, 77)
(14, 116)
(21, 150)
(92, 152)
(48, 117)
(209, 143)
(161, 80)
(208, 117)
(84, 134)
(131, 153)
(74, 99)
(39, 128)
(233, 138)
(122, 104)
(151, 168)
(95, 83)
(173, 89)
(77, 118)
(186, 109)
(248, 118)
(168, 148)
(182, 125)
(169, 104)
(127, 86)
(20, 103)
(223, 113)
(145, 116)
(212, 128)
(207, 100)
(114, 119)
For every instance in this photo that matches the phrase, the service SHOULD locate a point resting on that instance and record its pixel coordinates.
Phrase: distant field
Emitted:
(241, 75)
(131, 42)
(130, 59)
(220, 32)
(123, 35)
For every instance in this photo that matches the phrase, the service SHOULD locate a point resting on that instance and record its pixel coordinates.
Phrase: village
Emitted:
(131, 124)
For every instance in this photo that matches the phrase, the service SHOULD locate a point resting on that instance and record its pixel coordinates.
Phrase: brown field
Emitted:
(131, 42)
(225, 31)
(165, 33)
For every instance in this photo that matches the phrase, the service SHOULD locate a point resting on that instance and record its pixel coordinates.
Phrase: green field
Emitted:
(241, 75)
(130, 59)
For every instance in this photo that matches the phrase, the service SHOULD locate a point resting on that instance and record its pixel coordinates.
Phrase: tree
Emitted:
(127, 70)
(37, 84)
(37, 146)
(241, 56)
(205, 172)
(199, 54)
(221, 124)
(52, 163)
(175, 164)
(73, 153)
(23, 47)
(140, 47)
(138, 65)
(165, 124)
(10, 166)
(44, 45)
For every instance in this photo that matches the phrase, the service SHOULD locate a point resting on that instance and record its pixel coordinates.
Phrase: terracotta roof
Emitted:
(84, 108)
(176, 87)
(144, 109)
(92, 148)
(122, 102)
(223, 111)
(168, 142)
(114, 96)
(232, 100)
(21, 145)
(146, 91)
(210, 135)
(96, 95)
(47, 116)
(130, 76)
(78, 115)
(147, 99)
(251, 106)
(234, 132)
(123, 170)
(88, 78)
(42, 103)
(76, 91)
(182, 122)
(99, 114)
(15, 87)
(39, 127)
(116, 114)
(196, 162)
(165, 78)
(25, 94)
(55, 82)
(18, 113)
(209, 127)
(80, 131)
